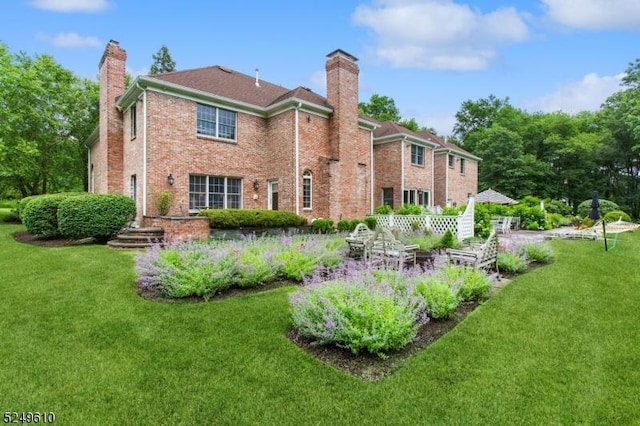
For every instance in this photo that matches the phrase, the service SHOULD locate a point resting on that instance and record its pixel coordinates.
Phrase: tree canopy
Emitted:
(46, 113)
(162, 61)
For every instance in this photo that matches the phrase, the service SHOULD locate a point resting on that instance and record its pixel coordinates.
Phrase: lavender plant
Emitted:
(511, 262)
(440, 297)
(470, 283)
(542, 253)
(358, 314)
(188, 269)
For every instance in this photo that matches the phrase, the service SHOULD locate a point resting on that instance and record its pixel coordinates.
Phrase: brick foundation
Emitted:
(180, 228)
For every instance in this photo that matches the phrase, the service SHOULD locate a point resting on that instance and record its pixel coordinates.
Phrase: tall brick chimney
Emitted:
(108, 158)
(350, 154)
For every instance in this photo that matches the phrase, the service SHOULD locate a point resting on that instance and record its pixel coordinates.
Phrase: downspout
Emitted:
(144, 150)
(371, 174)
(433, 173)
(446, 180)
(89, 180)
(404, 139)
(297, 158)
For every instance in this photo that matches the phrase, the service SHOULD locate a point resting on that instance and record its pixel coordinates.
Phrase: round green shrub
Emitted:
(615, 215)
(343, 225)
(383, 209)
(371, 222)
(584, 208)
(39, 214)
(95, 215)
(322, 226)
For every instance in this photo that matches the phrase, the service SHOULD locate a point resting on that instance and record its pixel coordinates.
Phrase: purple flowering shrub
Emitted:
(440, 296)
(187, 269)
(358, 313)
(470, 283)
(377, 310)
(541, 253)
(203, 269)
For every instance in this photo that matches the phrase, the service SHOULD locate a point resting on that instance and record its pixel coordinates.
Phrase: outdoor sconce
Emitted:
(170, 179)
(256, 185)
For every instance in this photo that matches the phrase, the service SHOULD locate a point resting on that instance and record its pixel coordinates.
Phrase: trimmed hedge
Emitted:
(251, 218)
(95, 215)
(39, 214)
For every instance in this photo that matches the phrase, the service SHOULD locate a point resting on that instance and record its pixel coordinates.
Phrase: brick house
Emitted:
(217, 138)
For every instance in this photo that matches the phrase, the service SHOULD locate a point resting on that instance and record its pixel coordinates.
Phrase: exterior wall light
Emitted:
(256, 185)
(170, 179)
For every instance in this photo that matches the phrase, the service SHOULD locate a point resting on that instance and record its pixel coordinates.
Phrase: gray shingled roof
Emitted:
(491, 196)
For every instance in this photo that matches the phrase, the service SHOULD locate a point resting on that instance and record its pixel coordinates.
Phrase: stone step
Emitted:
(118, 244)
(138, 238)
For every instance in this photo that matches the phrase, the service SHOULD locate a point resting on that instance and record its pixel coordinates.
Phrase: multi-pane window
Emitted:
(451, 160)
(462, 166)
(214, 192)
(216, 122)
(416, 196)
(387, 197)
(134, 121)
(307, 189)
(417, 155)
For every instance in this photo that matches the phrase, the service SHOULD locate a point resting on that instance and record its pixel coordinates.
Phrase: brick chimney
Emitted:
(350, 150)
(108, 156)
(342, 95)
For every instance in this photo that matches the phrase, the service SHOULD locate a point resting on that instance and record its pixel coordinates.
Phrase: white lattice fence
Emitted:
(461, 226)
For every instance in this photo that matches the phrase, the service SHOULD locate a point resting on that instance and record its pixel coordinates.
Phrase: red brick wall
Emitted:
(459, 185)
(107, 153)
(387, 172)
(177, 229)
(350, 163)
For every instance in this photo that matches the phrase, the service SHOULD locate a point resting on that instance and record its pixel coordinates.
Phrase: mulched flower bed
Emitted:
(365, 366)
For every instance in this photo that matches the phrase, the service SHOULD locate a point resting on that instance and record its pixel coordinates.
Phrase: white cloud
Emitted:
(595, 14)
(439, 34)
(70, 40)
(71, 5)
(585, 95)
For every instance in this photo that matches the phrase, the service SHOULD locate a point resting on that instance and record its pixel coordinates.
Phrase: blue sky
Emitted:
(428, 55)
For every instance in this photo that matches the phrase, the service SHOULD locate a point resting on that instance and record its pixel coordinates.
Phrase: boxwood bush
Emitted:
(94, 215)
(39, 214)
(251, 218)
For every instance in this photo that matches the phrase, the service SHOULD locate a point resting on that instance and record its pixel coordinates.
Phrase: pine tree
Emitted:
(162, 61)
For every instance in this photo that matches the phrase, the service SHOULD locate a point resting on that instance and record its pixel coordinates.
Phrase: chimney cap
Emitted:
(340, 52)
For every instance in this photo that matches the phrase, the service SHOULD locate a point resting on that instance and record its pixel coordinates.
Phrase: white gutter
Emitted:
(89, 170)
(404, 139)
(433, 173)
(371, 174)
(144, 152)
(446, 180)
(297, 158)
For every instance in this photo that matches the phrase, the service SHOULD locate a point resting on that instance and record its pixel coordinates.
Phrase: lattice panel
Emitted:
(461, 226)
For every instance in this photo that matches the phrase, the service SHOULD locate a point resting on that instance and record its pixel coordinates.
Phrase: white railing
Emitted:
(461, 226)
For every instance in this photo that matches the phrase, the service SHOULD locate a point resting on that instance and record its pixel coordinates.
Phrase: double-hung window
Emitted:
(462, 166)
(214, 192)
(216, 122)
(452, 160)
(307, 190)
(417, 155)
(134, 121)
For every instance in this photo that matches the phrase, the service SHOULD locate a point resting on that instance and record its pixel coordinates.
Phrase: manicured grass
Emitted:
(558, 345)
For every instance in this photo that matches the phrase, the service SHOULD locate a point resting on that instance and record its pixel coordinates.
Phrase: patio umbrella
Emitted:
(595, 205)
(492, 196)
(595, 215)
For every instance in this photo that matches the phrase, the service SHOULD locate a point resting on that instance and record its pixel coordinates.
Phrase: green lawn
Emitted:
(558, 345)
